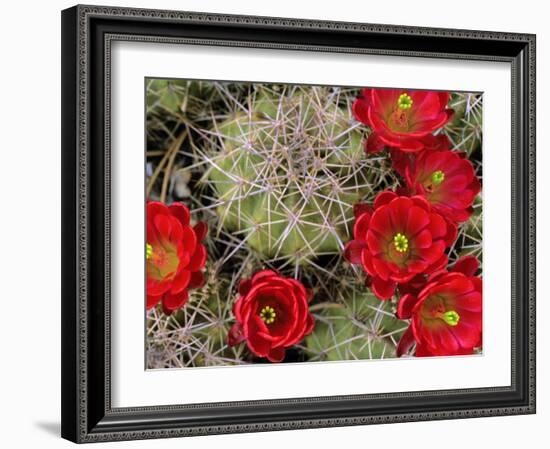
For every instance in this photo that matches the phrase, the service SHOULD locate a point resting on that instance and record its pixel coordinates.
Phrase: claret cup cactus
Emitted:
(276, 172)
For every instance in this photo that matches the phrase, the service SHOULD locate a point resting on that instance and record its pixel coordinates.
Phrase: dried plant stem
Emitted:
(168, 155)
(173, 151)
(325, 305)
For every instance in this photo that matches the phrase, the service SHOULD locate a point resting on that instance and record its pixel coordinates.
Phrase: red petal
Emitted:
(157, 288)
(361, 227)
(198, 259)
(384, 198)
(417, 220)
(426, 103)
(181, 212)
(423, 239)
(439, 264)
(244, 286)
(405, 306)
(366, 262)
(407, 340)
(452, 232)
(382, 269)
(360, 109)
(260, 275)
(437, 143)
(256, 333)
(383, 289)
(152, 301)
(276, 355)
(235, 335)
(201, 229)
(438, 226)
(170, 302)
(376, 244)
(411, 145)
(444, 98)
(467, 265)
(197, 280)
(433, 253)
(374, 144)
(423, 351)
(360, 209)
(421, 202)
(383, 98)
(381, 223)
(156, 208)
(163, 224)
(400, 161)
(180, 282)
(189, 239)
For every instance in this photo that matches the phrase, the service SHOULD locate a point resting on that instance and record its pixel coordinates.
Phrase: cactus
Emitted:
(174, 97)
(195, 335)
(287, 170)
(357, 326)
(470, 236)
(274, 170)
(466, 128)
(465, 132)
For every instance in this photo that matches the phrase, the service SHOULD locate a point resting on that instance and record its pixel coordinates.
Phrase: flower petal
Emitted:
(198, 259)
(384, 198)
(235, 335)
(181, 281)
(276, 355)
(405, 343)
(171, 303)
(181, 212)
(374, 144)
(352, 251)
(405, 306)
(197, 280)
(384, 290)
(201, 229)
(467, 265)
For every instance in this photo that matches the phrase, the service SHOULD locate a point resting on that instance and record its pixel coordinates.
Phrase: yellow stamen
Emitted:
(404, 101)
(268, 315)
(148, 251)
(400, 242)
(451, 317)
(438, 177)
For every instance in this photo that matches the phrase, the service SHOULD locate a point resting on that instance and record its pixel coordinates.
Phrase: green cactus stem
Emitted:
(287, 168)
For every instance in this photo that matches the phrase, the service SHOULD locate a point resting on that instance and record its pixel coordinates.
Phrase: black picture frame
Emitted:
(87, 414)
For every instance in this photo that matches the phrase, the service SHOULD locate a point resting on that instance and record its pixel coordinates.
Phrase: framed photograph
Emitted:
(278, 224)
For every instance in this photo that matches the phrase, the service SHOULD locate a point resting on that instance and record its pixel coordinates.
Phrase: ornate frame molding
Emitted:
(87, 419)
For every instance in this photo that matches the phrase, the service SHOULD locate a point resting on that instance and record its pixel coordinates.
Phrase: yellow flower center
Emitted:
(437, 177)
(400, 242)
(404, 101)
(268, 315)
(451, 317)
(162, 261)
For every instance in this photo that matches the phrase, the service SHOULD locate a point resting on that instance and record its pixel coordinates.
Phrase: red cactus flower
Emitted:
(446, 315)
(400, 160)
(272, 313)
(174, 254)
(401, 118)
(399, 239)
(446, 180)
